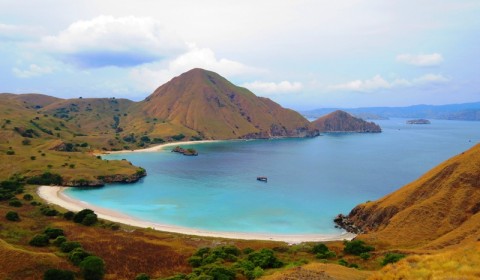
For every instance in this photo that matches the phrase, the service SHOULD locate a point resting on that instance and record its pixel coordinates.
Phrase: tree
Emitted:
(53, 232)
(58, 274)
(90, 219)
(356, 247)
(27, 197)
(265, 258)
(69, 246)
(392, 258)
(15, 202)
(68, 215)
(78, 218)
(59, 240)
(12, 216)
(77, 255)
(39, 240)
(92, 268)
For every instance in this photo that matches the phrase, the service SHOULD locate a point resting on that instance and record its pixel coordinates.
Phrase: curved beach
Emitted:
(55, 195)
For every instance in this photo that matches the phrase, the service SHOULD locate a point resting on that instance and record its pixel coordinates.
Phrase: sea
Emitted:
(310, 180)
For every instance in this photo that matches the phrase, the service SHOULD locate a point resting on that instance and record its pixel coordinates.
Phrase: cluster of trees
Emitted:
(226, 262)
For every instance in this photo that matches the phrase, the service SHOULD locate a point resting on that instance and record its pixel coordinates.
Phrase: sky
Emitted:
(303, 54)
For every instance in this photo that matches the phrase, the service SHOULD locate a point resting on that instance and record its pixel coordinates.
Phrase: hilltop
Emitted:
(441, 209)
(340, 121)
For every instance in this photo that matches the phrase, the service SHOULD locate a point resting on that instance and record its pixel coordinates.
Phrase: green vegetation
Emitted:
(53, 233)
(142, 276)
(86, 217)
(356, 247)
(392, 258)
(39, 240)
(12, 216)
(58, 274)
(15, 202)
(321, 251)
(46, 178)
(28, 197)
(93, 268)
(69, 246)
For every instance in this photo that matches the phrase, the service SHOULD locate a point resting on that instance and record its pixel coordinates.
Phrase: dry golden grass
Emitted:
(320, 271)
(459, 263)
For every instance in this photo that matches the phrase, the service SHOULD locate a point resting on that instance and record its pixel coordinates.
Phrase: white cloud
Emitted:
(109, 41)
(422, 60)
(32, 71)
(150, 76)
(274, 88)
(18, 32)
(378, 83)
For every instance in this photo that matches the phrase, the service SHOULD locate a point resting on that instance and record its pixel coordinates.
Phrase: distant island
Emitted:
(341, 121)
(465, 111)
(418, 121)
(185, 152)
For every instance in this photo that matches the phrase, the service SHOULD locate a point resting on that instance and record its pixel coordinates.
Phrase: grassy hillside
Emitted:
(440, 209)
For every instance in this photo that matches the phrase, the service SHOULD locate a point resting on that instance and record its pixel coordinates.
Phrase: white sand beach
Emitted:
(161, 146)
(55, 195)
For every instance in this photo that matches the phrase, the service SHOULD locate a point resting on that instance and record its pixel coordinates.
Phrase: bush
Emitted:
(10, 152)
(78, 218)
(47, 211)
(142, 276)
(39, 240)
(68, 215)
(92, 268)
(59, 240)
(69, 246)
(27, 197)
(319, 248)
(12, 216)
(265, 258)
(356, 247)
(89, 219)
(54, 232)
(365, 256)
(77, 255)
(58, 274)
(392, 258)
(15, 202)
(326, 255)
(46, 178)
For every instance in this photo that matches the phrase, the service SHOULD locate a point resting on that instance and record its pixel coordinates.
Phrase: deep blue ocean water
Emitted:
(309, 180)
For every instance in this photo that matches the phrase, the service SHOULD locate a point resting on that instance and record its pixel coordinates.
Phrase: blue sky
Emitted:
(303, 54)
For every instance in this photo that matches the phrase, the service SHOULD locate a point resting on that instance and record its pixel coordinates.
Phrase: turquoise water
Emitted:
(309, 180)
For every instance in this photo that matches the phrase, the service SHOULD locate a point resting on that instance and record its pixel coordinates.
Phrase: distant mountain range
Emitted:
(466, 111)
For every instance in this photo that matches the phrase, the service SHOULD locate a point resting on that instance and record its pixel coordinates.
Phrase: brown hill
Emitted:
(341, 121)
(206, 104)
(440, 209)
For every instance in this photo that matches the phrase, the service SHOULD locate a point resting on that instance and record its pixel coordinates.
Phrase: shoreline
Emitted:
(55, 195)
(159, 147)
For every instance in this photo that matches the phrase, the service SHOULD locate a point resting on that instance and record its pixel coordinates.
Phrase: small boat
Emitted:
(261, 178)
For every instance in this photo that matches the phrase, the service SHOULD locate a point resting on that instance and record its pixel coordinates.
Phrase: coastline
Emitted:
(159, 147)
(55, 195)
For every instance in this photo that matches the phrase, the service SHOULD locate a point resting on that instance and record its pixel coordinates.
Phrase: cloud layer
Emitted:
(379, 83)
(274, 88)
(421, 60)
(109, 41)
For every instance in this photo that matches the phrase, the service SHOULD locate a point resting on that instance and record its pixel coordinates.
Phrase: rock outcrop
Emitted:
(340, 121)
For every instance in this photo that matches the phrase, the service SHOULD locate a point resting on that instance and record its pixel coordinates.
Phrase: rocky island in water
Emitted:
(418, 121)
(185, 152)
(341, 121)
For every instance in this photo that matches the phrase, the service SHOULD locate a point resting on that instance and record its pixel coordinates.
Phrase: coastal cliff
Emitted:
(439, 209)
(341, 121)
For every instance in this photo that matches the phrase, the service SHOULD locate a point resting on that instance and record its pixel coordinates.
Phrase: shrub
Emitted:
(10, 152)
(54, 232)
(26, 142)
(92, 268)
(326, 255)
(27, 197)
(78, 217)
(15, 202)
(319, 248)
(265, 258)
(47, 211)
(68, 215)
(356, 247)
(248, 250)
(365, 256)
(33, 157)
(392, 258)
(89, 219)
(39, 240)
(12, 216)
(178, 137)
(58, 274)
(69, 246)
(142, 276)
(59, 240)
(46, 178)
(77, 255)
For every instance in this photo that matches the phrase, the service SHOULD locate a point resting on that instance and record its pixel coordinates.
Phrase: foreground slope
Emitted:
(340, 121)
(211, 107)
(440, 209)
